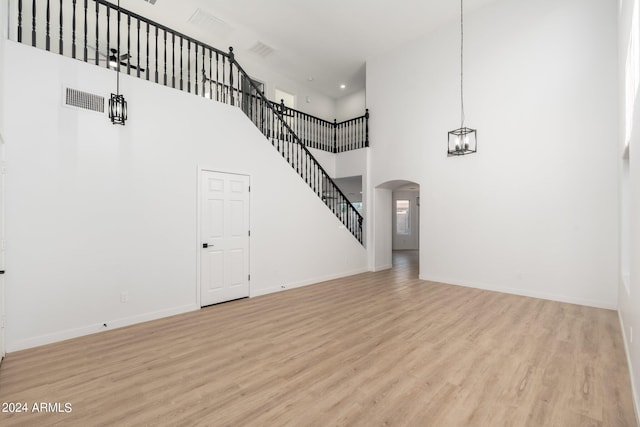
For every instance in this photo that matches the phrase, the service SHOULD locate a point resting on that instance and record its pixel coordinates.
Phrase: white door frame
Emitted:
(198, 243)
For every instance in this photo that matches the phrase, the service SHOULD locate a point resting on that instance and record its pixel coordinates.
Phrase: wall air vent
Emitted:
(210, 23)
(261, 49)
(83, 100)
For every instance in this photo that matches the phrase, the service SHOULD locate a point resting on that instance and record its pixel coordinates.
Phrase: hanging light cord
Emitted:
(118, 55)
(461, 66)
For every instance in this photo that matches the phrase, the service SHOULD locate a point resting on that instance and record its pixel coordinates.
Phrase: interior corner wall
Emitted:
(629, 296)
(352, 105)
(535, 210)
(94, 209)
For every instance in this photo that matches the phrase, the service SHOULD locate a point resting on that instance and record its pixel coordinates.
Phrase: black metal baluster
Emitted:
(156, 53)
(48, 37)
(354, 125)
(210, 73)
(181, 64)
(97, 59)
(231, 59)
(195, 69)
(73, 29)
(189, 65)
(138, 50)
(204, 82)
(156, 49)
(128, 44)
(19, 21)
(33, 23)
(86, 52)
(273, 129)
(108, 36)
(147, 52)
(165, 57)
(238, 87)
(224, 80)
(60, 44)
(217, 77)
(173, 60)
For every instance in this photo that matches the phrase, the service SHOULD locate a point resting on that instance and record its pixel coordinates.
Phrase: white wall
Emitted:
(320, 105)
(326, 159)
(95, 209)
(381, 240)
(3, 33)
(351, 163)
(406, 241)
(350, 106)
(629, 295)
(536, 209)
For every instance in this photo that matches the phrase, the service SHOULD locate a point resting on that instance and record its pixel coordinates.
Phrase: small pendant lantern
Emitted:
(117, 103)
(463, 140)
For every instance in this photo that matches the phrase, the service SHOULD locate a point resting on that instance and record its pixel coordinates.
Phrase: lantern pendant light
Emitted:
(117, 103)
(463, 140)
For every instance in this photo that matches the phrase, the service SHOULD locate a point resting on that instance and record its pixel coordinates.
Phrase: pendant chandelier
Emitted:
(117, 103)
(463, 140)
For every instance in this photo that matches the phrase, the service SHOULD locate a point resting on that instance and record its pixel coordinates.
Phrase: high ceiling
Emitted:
(321, 44)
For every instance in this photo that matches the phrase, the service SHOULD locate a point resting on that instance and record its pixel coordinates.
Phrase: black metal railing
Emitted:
(99, 32)
(335, 137)
(106, 35)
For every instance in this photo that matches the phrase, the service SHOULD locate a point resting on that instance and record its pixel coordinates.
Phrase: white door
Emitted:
(224, 237)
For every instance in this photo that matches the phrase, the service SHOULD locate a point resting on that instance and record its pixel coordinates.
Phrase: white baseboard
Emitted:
(307, 282)
(634, 389)
(26, 343)
(382, 267)
(526, 293)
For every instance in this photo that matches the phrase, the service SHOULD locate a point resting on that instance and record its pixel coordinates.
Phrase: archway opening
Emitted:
(396, 242)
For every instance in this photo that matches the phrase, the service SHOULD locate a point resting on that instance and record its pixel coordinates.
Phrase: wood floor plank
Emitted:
(373, 349)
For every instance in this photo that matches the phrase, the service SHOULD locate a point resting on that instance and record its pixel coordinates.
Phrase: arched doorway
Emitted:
(396, 224)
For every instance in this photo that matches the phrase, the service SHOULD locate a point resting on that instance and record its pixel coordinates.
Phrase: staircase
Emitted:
(101, 33)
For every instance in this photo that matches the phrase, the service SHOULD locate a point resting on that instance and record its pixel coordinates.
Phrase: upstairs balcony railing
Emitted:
(335, 137)
(101, 33)
(93, 31)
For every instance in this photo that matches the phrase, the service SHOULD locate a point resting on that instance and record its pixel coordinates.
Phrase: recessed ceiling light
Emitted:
(343, 86)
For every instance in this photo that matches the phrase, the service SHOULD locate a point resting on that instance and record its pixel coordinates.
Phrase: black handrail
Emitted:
(334, 140)
(299, 143)
(212, 68)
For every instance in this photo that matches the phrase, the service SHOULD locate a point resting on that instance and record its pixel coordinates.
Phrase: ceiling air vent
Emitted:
(261, 49)
(210, 23)
(83, 100)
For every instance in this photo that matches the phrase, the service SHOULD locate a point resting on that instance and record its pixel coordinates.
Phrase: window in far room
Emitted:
(403, 220)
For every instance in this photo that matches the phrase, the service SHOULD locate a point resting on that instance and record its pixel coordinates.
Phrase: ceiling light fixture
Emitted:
(117, 103)
(343, 86)
(463, 140)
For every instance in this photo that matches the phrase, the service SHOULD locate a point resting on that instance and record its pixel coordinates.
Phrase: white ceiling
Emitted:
(327, 40)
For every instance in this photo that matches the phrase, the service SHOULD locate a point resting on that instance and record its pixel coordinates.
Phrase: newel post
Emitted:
(366, 141)
(231, 61)
(335, 135)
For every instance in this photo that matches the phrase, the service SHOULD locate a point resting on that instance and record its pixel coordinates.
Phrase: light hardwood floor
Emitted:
(373, 349)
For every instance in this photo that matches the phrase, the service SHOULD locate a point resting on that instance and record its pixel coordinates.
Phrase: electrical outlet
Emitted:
(124, 297)
(283, 287)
